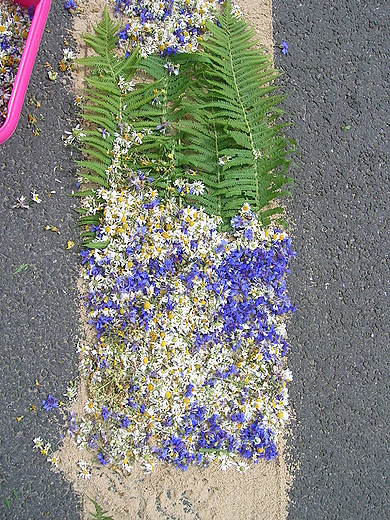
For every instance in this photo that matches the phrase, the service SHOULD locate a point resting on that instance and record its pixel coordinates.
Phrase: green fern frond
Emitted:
(81, 211)
(96, 166)
(159, 115)
(100, 99)
(217, 117)
(99, 154)
(86, 235)
(102, 122)
(82, 193)
(103, 98)
(92, 62)
(235, 114)
(105, 85)
(95, 180)
(104, 106)
(84, 221)
(95, 244)
(105, 37)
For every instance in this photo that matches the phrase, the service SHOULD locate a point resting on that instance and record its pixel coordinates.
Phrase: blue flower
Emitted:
(152, 204)
(73, 428)
(248, 234)
(103, 459)
(169, 50)
(189, 390)
(122, 35)
(69, 4)
(284, 47)
(238, 417)
(133, 388)
(4, 44)
(221, 247)
(125, 422)
(92, 443)
(237, 222)
(50, 403)
(163, 127)
(104, 364)
(97, 230)
(84, 255)
(105, 413)
(31, 11)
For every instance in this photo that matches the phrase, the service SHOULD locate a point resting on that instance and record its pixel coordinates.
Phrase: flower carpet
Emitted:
(188, 365)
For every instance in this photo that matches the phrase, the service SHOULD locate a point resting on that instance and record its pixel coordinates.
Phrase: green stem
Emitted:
(245, 118)
(218, 166)
(213, 450)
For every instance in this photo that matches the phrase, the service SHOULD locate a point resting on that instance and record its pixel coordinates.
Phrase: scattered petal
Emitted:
(49, 403)
(284, 47)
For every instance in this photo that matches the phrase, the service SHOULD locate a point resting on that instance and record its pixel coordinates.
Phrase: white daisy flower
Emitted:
(35, 197)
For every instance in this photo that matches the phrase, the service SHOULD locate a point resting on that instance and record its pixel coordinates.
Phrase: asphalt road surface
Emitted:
(336, 75)
(39, 323)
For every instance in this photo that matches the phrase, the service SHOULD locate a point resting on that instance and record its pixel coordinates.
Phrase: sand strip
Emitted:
(167, 493)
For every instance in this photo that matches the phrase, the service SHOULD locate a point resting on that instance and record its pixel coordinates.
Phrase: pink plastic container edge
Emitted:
(26, 65)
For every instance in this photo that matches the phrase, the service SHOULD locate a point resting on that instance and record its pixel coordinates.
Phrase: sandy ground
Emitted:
(166, 493)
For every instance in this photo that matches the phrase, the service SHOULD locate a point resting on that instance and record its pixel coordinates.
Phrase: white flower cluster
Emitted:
(166, 26)
(125, 86)
(146, 370)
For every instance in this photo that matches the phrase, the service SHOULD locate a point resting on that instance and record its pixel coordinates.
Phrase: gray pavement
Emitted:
(38, 306)
(337, 75)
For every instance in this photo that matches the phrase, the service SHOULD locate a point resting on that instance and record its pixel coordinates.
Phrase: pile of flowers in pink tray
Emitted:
(14, 26)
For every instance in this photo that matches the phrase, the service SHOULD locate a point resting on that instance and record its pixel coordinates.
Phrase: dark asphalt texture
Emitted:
(336, 74)
(39, 323)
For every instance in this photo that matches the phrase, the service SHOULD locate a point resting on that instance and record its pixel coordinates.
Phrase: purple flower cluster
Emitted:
(70, 4)
(235, 277)
(242, 315)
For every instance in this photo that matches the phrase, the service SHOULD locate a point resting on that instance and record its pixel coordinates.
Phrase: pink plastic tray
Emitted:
(26, 64)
